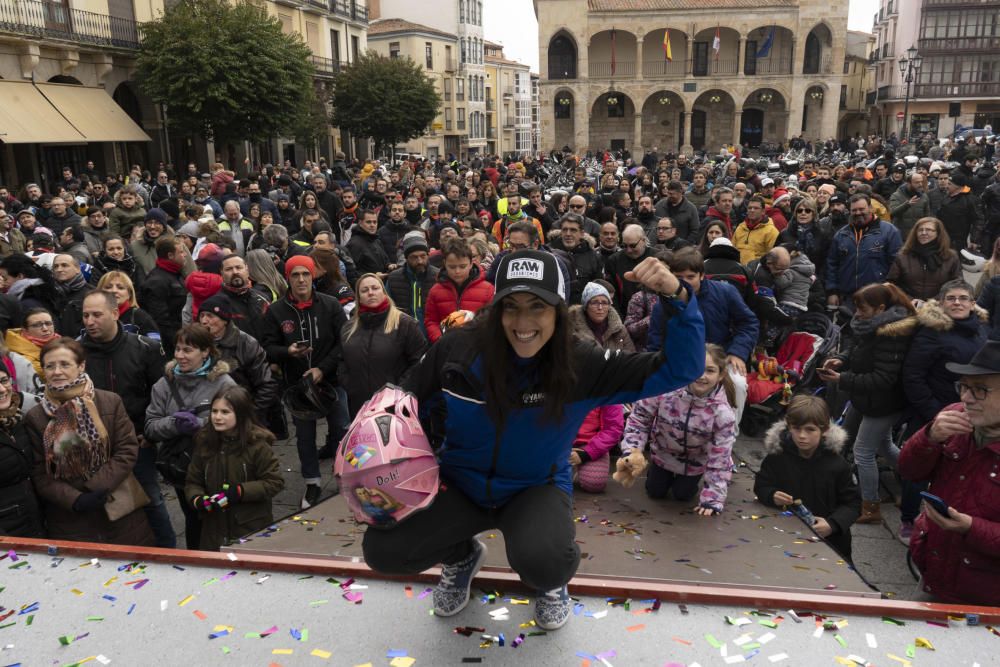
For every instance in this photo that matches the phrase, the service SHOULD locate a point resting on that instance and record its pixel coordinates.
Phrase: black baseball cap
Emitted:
(531, 271)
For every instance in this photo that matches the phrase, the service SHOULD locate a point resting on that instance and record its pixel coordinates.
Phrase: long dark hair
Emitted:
(556, 366)
(246, 420)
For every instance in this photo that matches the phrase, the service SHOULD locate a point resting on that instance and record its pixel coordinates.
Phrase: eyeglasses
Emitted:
(804, 210)
(958, 298)
(577, 206)
(42, 325)
(979, 393)
(6, 381)
(62, 366)
(599, 305)
(634, 246)
(517, 246)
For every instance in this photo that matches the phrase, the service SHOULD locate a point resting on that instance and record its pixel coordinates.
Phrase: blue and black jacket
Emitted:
(491, 464)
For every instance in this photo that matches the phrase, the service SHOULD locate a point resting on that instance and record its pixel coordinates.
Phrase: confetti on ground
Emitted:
(320, 653)
(636, 628)
(402, 662)
(870, 638)
(892, 621)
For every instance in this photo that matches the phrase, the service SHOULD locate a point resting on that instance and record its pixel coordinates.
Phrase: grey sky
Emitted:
(512, 23)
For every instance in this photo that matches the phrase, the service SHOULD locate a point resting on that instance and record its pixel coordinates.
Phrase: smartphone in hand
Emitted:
(940, 506)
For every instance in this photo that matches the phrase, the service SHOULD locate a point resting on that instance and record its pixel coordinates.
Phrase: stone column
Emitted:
(737, 123)
(638, 56)
(637, 136)
(686, 148)
(689, 56)
(581, 119)
(741, 56)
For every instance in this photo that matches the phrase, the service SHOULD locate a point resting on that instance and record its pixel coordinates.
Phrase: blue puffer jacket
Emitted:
(491, 465)
(850, 264)
(729, 322)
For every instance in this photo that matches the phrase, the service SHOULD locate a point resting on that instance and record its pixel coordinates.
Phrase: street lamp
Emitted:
(909, 67)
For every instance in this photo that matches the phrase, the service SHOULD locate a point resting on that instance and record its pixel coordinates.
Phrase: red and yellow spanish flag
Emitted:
(667, 53)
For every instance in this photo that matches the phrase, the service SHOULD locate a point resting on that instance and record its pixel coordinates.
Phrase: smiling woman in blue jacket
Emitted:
(504, 397)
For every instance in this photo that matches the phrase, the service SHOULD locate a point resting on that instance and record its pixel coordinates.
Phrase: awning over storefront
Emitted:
(27, 117)
(93, 112)
(52, 113)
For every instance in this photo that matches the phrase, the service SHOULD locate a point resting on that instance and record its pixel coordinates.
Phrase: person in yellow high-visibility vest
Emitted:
(514, 214)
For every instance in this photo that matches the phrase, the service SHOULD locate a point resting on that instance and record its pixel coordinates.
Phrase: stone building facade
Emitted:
(746, 71)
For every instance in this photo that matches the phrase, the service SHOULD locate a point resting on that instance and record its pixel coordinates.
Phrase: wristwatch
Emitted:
(677, 293)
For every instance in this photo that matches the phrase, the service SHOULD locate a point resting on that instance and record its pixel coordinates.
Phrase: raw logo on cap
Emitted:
(525, 269)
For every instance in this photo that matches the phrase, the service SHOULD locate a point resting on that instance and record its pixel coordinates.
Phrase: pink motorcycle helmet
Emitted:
(385, 463)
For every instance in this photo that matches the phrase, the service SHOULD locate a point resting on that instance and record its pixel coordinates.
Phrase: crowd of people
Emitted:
(166, 325)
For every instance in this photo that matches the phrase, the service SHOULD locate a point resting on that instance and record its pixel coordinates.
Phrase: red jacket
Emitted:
(601, 430)
(957, 568)
(201, 285)
(777, 217)
(444, 298)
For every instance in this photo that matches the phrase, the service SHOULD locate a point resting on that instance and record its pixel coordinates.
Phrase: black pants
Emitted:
(192, 521)
(659, 482)
(537, 526)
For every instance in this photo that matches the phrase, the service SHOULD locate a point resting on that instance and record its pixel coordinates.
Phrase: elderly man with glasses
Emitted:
(578, 204)
(635, 248)
(957, 541)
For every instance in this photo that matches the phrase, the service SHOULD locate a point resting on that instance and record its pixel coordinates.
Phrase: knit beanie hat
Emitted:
(209, 258)
(592, 290)
(299, 260)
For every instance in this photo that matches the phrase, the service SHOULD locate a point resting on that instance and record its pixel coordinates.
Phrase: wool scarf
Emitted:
(11, 417)
(168, 266)
(75, 439)
(380, 308)
(929, 254)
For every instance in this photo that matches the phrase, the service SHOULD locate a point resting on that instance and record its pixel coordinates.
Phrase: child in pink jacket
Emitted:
(690, 432)
(601, 430)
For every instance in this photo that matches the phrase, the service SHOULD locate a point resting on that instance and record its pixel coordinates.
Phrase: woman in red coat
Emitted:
(461, 286)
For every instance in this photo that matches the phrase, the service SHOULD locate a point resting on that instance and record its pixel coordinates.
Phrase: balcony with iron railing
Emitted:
(952, 3)
(984, 43)
(48, 20)
(940, 90)
(327, 67)
(349, 10)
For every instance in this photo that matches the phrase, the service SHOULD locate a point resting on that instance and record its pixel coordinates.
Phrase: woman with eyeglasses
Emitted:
(85, 448)
(871, 375)
(926, 261)
(809, 234)
(952, 329)
(596, 319)
(39, 328)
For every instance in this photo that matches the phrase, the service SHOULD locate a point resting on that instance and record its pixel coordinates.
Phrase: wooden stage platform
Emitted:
(623, 535)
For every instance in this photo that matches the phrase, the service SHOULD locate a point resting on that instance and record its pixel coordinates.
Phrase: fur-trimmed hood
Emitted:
(218, 369)
(902, 327)
(833, 440)
(932, 316)
(579, 326)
